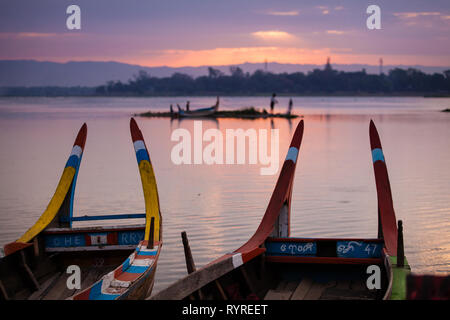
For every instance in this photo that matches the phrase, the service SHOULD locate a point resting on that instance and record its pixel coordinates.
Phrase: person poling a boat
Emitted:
(273, 101)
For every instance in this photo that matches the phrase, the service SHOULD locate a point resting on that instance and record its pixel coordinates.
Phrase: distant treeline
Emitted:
(47, 91)
(327, 81)
(316, 82)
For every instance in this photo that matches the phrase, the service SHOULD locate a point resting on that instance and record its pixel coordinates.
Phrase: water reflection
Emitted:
(220, 206)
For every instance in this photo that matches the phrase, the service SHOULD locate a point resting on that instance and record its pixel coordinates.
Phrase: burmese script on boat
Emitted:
(231, 309)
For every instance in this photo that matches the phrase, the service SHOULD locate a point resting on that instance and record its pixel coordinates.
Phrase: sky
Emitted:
(223, 32)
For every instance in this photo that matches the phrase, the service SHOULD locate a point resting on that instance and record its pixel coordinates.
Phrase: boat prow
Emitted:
(60, 208)
(135, 277)
(272, 265)
(117, 262)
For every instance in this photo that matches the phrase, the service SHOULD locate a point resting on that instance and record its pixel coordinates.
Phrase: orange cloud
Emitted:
(273, 35)
(336, 32)
(283, 13)
(409, 15)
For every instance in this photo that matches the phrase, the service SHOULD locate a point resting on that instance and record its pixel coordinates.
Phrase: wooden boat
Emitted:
(204, 112)
(273, 265)
(112, 262)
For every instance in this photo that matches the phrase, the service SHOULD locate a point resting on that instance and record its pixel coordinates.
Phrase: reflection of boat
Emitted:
(109, 262)
(272, 265)
(206, 119)
(204, 112)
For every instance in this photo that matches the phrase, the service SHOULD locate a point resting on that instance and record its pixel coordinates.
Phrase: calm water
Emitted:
(220, 206)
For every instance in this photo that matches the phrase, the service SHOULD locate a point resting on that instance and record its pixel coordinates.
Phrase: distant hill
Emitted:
(30, 73)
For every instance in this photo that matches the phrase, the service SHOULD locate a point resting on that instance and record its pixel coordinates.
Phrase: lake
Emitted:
(220, 206)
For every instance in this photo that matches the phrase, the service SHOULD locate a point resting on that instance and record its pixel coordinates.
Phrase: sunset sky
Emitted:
(220, 32)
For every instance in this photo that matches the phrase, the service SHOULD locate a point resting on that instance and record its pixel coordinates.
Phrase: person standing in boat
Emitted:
(171, 110)
(187, 106)
(291, 103)
(273, 101)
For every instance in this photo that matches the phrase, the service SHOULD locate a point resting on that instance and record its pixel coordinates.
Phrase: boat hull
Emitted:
(287, 268)
(40, 271)
(53, 260)
(274, 266)
(206, 112)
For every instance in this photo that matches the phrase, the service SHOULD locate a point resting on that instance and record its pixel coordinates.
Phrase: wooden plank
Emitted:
(400, 248)
(277, 295)
(220, 289)
(134, 227)
(59, 290)
(358, 285)
(283, 291)
(302, 289)
(348, 290)
(343, 284)
(36, 247)
(196, 280)
(317, 289)
(91, 248)
(28, 272)
(45, 288)
(3, 291)
(190, 264)
(247, 279)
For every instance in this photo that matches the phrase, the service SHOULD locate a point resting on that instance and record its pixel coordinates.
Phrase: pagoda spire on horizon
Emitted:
(328, 65)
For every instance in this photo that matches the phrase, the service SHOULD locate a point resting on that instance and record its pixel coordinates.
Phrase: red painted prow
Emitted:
(81, 137)
(386, 215)
(280, 196)
(136, 133)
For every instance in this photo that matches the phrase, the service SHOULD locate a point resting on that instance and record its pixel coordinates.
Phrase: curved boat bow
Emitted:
(134, 278)
(113, 262)
(60, 208)
(273, 265)
(387, 222)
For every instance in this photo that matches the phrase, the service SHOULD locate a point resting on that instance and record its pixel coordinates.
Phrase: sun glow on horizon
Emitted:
(284, 55)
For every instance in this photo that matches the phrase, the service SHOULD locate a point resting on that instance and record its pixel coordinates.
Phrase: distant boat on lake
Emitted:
(204, 112)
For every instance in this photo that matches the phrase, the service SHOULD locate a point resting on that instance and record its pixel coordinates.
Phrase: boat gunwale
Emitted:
(94, 228)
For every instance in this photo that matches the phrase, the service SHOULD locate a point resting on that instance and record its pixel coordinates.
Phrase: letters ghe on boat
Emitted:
(213, 152)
